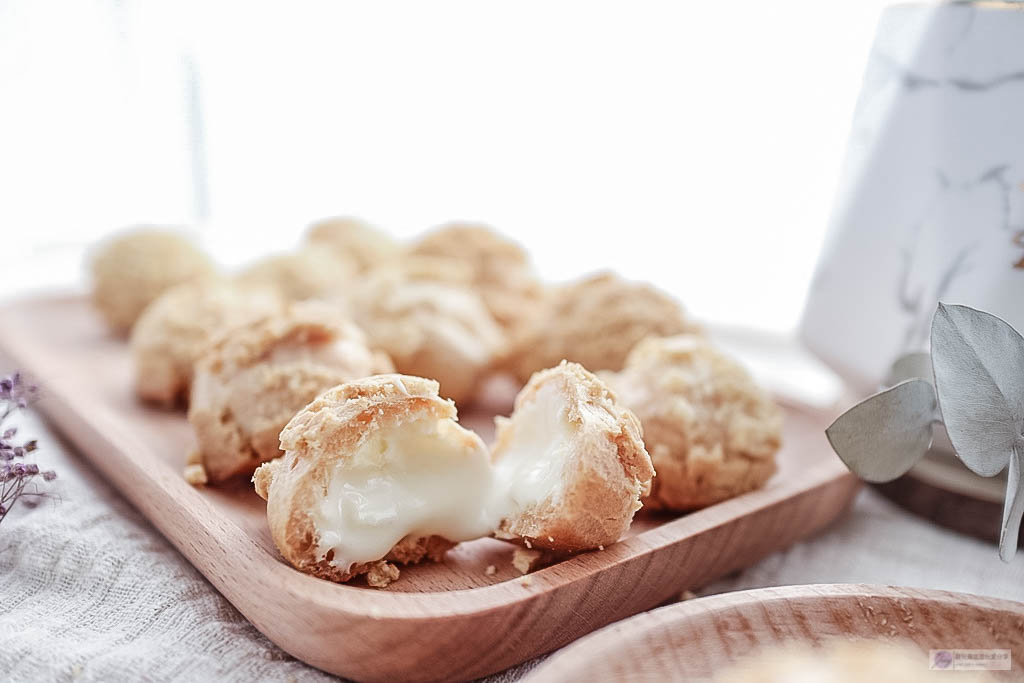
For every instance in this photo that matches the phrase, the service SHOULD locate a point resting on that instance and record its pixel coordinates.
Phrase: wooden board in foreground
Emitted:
(691, 641)
(449, 620)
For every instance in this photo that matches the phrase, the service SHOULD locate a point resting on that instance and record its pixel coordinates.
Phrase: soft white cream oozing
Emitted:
(528, 468)
(413, 480)
(422, 479)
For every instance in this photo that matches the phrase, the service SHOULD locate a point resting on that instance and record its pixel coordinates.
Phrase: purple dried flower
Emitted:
(16, 394)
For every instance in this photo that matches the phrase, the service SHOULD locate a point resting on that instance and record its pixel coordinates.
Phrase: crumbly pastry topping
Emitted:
(133, 269)
(175, 329)
(712, 432)
(594, 322)
(500, 269)
(253, 379)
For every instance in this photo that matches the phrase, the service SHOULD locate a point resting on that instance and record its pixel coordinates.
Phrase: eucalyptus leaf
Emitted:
(882, 437)
(1013, 507)
(978, 361)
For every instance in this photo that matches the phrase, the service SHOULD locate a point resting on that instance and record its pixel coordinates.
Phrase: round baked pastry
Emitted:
(430, 330)
(711, 431)
(571, 463)
(376, 471)
(311, 272)
(132, 269)
(500, 269)
(172, 332)
(252, 380)
(355, 241)
(594, 322)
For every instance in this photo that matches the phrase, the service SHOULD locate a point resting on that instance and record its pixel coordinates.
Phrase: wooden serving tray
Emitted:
(691, 641)
(449, 620)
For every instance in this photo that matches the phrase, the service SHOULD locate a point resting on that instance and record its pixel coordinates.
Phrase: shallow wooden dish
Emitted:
(691, 641)
(448, 620)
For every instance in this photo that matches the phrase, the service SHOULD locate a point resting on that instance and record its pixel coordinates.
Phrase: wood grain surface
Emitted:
(447, 620)
(690, 641)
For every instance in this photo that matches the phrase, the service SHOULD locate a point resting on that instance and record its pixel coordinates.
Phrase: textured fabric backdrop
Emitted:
(90, 592)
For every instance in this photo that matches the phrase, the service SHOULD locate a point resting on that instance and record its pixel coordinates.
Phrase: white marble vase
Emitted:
(930, 204)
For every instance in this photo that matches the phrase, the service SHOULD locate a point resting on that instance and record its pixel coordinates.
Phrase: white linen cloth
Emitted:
(89, 591)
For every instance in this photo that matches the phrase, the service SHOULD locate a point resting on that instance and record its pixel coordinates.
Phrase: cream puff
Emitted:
(595, 322)
(570, 462)
(355, 241)
(133, 269)
(430, 330)
(712, 432)
(173, 331)
(500, 269)
(252, 380)
(375, 472)
(311, 272)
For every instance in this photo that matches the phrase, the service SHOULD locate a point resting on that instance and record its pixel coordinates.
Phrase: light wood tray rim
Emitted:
(563, 664)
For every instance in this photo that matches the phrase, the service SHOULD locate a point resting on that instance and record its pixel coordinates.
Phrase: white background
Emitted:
(696, 145)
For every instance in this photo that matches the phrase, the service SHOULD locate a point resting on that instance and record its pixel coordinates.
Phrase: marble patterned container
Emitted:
(930, 204)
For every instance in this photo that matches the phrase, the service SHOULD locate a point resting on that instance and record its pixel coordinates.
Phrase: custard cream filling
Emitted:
(417, 480)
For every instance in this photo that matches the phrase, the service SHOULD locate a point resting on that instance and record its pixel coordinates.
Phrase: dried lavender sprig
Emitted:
(17, 394)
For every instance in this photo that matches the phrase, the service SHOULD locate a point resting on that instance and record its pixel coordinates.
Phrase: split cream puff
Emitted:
(570, 462)
(431, 330)
(173, 331)
(311, 272)
(500, 269)
(252, 380)
(376, 472)
(133, 269)
(594, 322)
(712, 432)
